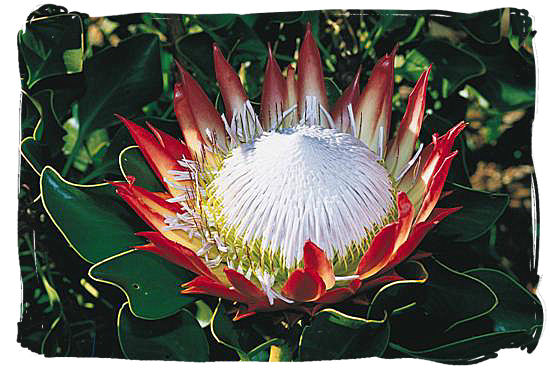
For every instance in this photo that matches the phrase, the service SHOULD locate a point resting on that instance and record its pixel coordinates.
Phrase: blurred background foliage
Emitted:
(77, 71)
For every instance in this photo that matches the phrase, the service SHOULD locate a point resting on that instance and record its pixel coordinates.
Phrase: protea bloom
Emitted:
(301, 206)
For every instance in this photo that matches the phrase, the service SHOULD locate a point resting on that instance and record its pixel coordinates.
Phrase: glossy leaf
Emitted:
(335, 335)
(517, 309)
(480, 210)
(105, 225)
(51, 46)
(151, 284)
(451, 66)
(178, 337)
(399, 295)
(453, 297)
(483, 26)
(44, 146)
(467, 351)
(509, 83)
(134, 78)
(241, 336)
(132, 163)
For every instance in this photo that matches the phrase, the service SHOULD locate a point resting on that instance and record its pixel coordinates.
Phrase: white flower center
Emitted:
(303, 183)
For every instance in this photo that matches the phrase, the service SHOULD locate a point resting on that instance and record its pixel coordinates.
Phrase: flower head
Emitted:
(301, 205)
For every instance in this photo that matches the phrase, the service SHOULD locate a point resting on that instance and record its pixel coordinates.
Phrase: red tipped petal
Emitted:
(273, 93)
(310, 73)
(382, 280)
(177, 254)
(186, 121)
(405, 217)
(339, 294)
(291, 88)
(303, 286)
(205, 285)
(231, 87)
(174, 146)
(402, 147)
(152, 218)
(418, 233)
(431, 159)
(339, 111)
(434, 189)
(441, 149)
(158, 158)
(315, 260)
(379, 252)
(374, 107)
(244, 286)
(204, 113)
(154, 201)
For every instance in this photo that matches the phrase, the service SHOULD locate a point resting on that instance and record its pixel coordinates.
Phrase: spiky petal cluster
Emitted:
(179, 226)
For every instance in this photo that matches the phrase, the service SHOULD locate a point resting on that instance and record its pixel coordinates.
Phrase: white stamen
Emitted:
(303, 183)
(352, 121)
(381, 143)
(410, 163)
(346, 278)
(328, 117)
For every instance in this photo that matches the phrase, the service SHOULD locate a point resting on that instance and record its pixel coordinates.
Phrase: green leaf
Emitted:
(132, 163)
(480, 210)
(151, 283)
(335, 335)
(399, 295)
(452, 66)
(509, 83)
(482, 26)
(213, 22)
(51, 46)
(224, 332)
(516, 321)
(517, 308)
(467, 351)
(118, 80)
(453, 297)
(178, 337)
(44, 147)
(243, 336)
(95, 222)
(30, 113)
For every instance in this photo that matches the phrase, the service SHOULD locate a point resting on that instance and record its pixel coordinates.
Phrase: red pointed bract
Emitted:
(402, 147)
(158, 158)
(374, 107)
(379, 251)
(315, 260)
(231, 88)
(311, 80)
(418, 233)
(405, 217)
(205, 115)
(435, 186)
(350, 96)
(186, 121)
(303, 286)
(177, 254)
(338, 294)
(273, 93)
(177, 149)
(244, 286)
(205, 285)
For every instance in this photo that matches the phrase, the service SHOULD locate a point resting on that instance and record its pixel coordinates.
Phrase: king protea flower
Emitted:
(300, 206)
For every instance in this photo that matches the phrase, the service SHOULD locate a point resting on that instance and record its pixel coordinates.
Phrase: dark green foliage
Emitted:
(476, 299)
